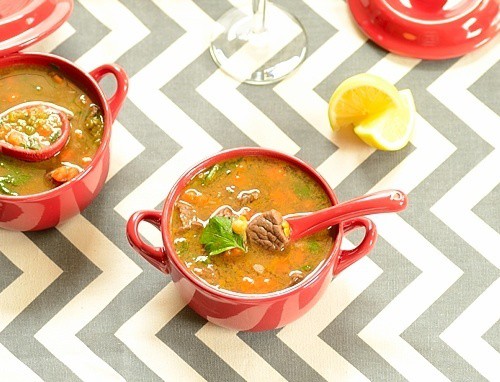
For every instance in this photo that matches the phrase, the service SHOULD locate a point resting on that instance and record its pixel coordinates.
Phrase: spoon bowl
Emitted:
(57, 117)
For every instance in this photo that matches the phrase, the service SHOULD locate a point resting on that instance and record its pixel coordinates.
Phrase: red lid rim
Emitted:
(60, 11)
(379, 23)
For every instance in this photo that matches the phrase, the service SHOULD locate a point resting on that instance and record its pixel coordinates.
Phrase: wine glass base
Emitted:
(255, 55)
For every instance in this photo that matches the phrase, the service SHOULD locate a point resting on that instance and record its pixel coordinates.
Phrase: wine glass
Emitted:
(261, 46)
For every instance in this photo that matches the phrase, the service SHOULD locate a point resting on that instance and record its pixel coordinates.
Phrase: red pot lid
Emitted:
(428, 29)
(24, 22)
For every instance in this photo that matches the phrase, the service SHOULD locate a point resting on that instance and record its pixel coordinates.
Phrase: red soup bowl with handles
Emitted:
(47, 209)
(252, 312)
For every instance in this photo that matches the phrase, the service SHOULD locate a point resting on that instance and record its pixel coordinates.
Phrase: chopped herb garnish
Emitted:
(181, 247)
(6, 191)
(302, 190)
(212, 172)
(313, 246)
(32, 143)
(53, 137)
(20, 178)
(218, 236)
(305, 268)
(7, 180)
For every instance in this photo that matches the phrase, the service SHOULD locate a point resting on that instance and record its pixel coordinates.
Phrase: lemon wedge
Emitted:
(391, 130)
(379, 114)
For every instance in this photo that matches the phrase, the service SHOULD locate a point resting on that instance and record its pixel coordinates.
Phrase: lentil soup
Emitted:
(218, 203)
(24, 83)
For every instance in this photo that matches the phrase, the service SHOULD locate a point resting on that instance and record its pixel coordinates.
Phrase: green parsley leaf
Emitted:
(218, 236)
(212, 172)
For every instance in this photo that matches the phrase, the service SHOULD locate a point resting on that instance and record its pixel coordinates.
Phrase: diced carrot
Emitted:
(67, 155)
(278, 194)
(240, 181)
(271, 284)
(246, 286)
(189, 196)
(194, 197)
(203, 200)
(278, 266)
(64, 173)
(15, 138)
(264, 284)
(275, 173)
(297, 257)
(235, 252)
(44, 130)
(57, 78)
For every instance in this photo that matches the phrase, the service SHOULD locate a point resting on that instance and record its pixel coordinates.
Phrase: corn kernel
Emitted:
(239, 225)
(286, 228)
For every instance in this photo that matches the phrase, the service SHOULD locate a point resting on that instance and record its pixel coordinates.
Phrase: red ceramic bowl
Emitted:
(428, 29)
(253, 312)
(47, 209)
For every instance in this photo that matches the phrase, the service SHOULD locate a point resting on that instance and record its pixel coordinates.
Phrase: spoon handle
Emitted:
(378, 202)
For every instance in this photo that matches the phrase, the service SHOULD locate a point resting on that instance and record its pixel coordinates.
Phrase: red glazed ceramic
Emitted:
(253, 312)
(428, 29)
(47, 209)
(24, 22)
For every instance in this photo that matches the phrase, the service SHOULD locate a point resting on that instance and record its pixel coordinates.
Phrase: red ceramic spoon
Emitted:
(45, 152)
(378, 202)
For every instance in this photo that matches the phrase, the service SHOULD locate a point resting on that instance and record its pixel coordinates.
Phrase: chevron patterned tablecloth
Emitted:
(77, 303)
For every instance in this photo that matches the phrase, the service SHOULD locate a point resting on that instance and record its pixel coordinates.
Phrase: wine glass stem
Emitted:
(259, 15)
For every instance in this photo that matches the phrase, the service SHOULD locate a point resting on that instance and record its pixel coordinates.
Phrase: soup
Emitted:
(210, 223)
(24, 83)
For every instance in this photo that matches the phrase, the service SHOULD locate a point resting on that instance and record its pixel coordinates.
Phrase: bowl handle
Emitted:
(115, 102)
(154, 255)
(349, 257)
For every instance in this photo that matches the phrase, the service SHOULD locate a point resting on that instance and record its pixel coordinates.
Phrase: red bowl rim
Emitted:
(85, 78)
(223, 293)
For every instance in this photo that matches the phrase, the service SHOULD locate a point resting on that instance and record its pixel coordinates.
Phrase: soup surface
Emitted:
(24, 83)
(225, 197)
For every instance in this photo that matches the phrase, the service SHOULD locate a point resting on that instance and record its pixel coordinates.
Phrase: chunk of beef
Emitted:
(247, 197)
(187, 214)
(266, 230)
